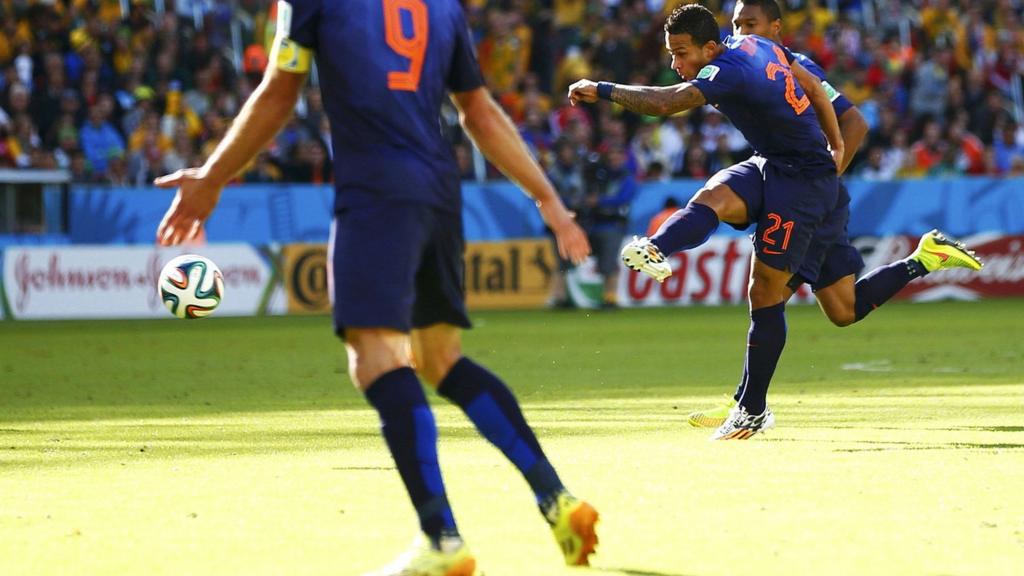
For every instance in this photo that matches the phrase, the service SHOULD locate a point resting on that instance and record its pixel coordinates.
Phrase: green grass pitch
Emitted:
(237, 446)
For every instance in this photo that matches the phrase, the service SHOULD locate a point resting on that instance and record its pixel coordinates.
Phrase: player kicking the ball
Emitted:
(397, 246)
(842, 298)
(787, 189)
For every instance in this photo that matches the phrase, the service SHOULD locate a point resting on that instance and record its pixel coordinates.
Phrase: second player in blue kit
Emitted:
(787, 189)
(844, 299)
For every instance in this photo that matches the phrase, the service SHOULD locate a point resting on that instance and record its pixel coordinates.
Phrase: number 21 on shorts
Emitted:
(413, 47)
(767, 238)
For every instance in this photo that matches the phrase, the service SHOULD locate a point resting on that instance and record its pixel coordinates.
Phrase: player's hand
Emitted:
(197, 196)
(837, 157)
(572, 241)
(583, 91)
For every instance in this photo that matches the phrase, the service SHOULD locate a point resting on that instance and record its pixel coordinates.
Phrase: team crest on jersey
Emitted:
(708, 73)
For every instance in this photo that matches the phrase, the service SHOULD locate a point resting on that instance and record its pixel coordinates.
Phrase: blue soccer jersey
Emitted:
(752, 83)
(385, 67)
(840, 103)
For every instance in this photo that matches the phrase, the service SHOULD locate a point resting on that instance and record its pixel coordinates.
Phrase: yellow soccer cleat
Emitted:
(936, 252)
(574, 529)
(422, 559)
(712, 417)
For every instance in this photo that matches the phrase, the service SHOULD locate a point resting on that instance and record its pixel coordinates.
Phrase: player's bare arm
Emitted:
(199, 188)
(854, 128)
(649, 100)
(496, 136)
(823, 108)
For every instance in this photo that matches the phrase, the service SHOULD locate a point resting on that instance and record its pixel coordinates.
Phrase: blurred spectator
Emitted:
(875, 168)
(263, 171)
(100, 140)
(610, 188)
(566, 175)
(930, 149)
(670, 207)
(696, 164)
(1007, 149)
(311, 164)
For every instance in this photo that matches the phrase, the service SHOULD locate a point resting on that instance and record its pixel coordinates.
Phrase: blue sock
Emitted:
(765, 341)
(493, 408)
(687, 228)
(883, 283)
(409, 430)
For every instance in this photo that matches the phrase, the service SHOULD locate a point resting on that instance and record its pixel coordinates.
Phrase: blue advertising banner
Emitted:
(262, 214)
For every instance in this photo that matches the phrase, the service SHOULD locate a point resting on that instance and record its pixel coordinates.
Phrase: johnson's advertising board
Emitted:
(121, 282)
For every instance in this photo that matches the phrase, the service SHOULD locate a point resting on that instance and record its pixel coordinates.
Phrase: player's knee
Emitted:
(435, 364)
(726, 204)
(765, 292)
(372, 355)
(842, 317)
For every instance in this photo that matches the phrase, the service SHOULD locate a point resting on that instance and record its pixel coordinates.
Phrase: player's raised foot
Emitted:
(452, 558)
(936, 252)
(643, 256)
(573, 523)
(712, 417)
(740, 425)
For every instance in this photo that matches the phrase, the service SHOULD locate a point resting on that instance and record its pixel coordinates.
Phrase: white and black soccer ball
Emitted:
(191, 286)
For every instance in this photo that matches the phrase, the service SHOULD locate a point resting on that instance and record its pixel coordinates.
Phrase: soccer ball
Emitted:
(191, 286)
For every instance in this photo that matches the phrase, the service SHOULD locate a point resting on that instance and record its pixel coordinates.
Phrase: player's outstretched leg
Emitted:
(493, 409)
(934, 252)
(687, 228)
(407, 424)
(765, 341)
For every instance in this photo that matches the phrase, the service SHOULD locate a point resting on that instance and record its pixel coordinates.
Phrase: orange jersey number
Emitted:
(777, 223)
(413, 47)
(773, 70)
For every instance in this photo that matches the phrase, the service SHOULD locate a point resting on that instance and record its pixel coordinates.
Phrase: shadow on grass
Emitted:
(632, 572)
(947, 446)
(893, 445)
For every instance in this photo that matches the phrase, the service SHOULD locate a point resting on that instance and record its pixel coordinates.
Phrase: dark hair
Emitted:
(695, 20)
(769, 7)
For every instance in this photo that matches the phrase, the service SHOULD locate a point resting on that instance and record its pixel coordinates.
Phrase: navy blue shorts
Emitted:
(841, 258)
(789, 209)
(398, 266)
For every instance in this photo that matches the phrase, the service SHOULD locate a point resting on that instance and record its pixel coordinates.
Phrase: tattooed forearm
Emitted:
(658, 100)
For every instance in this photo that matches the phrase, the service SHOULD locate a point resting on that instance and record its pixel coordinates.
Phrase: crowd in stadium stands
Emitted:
(119, 98)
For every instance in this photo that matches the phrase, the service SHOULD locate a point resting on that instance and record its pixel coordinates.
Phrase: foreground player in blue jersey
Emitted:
(397, 246)
(843, 299)
(787, 189)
